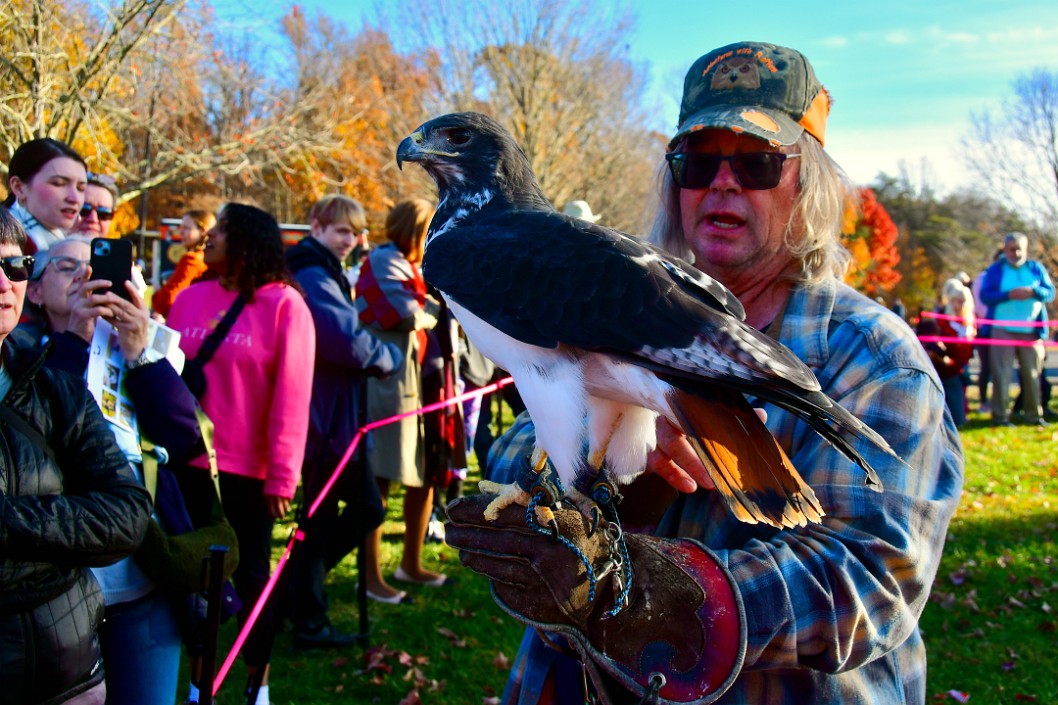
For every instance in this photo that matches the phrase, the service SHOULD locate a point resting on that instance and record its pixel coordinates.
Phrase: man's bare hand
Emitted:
(675, 460)
(1021, 293)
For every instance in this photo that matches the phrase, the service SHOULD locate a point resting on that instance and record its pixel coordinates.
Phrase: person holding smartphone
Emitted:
(68, 502)
(140, 637)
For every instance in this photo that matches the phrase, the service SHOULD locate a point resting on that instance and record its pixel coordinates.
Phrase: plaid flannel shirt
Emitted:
(832, 609)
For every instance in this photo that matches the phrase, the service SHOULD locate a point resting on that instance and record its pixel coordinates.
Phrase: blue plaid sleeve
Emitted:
(505, 456)
(832, 609)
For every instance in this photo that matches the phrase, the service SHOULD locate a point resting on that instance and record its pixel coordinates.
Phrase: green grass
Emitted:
(991, 626)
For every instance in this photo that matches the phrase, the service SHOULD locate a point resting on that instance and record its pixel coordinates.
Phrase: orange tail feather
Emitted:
(744, 461)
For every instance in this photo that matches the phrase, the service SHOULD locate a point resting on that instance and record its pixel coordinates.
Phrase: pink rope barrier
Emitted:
(299, 535)
(989, 321)
(986, 341)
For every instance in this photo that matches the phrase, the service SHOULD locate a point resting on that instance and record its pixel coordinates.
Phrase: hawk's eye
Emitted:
(459, 137)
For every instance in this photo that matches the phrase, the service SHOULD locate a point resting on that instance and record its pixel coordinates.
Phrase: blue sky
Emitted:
(905, 75)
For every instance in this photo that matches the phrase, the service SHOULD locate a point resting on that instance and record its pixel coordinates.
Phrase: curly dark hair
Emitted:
(254, 248)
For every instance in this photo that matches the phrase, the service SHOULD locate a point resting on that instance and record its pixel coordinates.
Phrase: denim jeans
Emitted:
(141, 651)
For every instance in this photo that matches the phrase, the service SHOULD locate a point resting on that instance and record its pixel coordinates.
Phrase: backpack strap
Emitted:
(15, 421)
(214, 339)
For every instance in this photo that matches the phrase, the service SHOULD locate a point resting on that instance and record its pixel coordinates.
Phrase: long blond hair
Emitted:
(954, 289)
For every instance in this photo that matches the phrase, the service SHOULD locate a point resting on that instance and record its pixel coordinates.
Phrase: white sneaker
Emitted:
(435, 531)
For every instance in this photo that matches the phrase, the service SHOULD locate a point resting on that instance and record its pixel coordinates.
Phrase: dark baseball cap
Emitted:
(764, 90)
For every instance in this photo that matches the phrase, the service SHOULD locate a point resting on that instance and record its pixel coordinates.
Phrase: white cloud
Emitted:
(1019, 35)
(928, 153)
(897, 36)
(835, 42)
(937, 34)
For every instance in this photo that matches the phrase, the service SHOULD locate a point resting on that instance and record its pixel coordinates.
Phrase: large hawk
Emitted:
(602, 332)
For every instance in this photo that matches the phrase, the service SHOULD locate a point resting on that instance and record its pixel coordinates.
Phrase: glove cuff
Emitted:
(684, 621)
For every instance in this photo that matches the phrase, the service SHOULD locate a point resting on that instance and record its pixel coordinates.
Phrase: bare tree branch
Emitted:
(1016, 155)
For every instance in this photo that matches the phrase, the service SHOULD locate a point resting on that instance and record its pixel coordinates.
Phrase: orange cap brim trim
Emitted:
(815, 119)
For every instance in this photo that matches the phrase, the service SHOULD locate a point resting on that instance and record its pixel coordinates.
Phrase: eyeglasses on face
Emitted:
(102, 212)
(17, 268)
(67, 265)
(756, 171)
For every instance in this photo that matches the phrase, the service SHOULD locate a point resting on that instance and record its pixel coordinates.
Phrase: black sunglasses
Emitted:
(102, 212)
(756, 171)
(17, 268)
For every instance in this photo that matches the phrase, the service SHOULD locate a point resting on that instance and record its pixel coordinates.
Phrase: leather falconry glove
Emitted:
(682, 620)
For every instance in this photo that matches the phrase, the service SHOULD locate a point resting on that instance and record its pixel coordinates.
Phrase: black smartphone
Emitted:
(112, 260)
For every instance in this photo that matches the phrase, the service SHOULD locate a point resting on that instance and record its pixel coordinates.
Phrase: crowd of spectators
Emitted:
(289, 352)
(280, 371)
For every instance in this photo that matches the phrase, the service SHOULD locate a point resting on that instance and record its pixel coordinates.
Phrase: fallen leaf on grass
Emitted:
(493, 700)
(404, 658)
(456, 640)
(501, 662)
(411, 698)
(1016, 602)
(957, 577)
(945, 599)
(959, 696)
(1046, 608)
(1008, 667)
(376, 661)
(340, 662)
(1023, 696)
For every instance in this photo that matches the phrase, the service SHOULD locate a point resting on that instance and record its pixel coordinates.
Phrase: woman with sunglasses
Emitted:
(97, 213)
(46, 185)
(68, 500)
(258, 389)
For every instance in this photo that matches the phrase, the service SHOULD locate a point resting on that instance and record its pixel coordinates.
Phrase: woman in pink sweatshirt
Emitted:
(258, 388)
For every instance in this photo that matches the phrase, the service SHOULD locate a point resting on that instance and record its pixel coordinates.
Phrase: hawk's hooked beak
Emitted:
(409, 148)
(414, 148)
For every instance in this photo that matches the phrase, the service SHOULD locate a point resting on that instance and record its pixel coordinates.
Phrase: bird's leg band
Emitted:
(544, 489)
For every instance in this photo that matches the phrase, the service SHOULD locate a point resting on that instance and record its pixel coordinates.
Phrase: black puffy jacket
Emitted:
(58, 515)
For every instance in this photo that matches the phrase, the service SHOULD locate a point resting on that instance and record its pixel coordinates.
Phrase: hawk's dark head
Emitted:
(473, 160)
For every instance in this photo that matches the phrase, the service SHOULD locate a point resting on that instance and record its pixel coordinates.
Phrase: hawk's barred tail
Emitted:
(832, 421)
(744, 461)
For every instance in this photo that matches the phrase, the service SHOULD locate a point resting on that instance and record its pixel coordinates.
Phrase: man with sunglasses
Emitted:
(97, 213)
(724, 611)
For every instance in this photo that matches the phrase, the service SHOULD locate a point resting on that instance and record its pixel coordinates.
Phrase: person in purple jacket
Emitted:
(346, 355)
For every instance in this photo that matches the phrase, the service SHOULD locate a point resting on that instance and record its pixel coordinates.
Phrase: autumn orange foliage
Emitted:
(871, 235)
